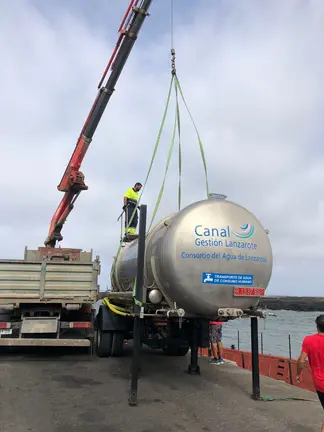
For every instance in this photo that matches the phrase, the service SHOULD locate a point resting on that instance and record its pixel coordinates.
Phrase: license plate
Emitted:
(33, 325)
(249, 292)
(5, 331)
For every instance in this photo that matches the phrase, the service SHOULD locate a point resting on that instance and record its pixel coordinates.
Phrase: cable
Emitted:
(273, 398)
(171, 22)
(116, 309)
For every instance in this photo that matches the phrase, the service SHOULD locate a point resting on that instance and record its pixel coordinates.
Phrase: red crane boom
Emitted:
(72, 182)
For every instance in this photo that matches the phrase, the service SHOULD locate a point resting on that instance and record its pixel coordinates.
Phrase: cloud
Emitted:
(252, 77)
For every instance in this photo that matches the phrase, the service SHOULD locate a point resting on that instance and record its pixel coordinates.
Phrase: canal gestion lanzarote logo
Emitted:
(221, 237)
(224, 243)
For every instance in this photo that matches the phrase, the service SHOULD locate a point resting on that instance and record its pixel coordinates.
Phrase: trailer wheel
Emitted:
(175, 351)
(117, 348)
(104, 343)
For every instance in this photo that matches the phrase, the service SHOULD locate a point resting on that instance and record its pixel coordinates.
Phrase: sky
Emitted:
(252, 75)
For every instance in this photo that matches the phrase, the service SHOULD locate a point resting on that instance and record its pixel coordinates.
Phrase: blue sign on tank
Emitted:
(227, 279)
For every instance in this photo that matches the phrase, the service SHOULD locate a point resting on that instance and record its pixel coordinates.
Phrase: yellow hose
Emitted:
(122, 309)
(116, 309)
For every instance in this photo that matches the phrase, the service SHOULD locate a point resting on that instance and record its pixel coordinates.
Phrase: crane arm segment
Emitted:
(72, 182)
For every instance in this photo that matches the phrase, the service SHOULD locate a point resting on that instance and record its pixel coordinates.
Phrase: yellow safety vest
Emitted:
(131, 196)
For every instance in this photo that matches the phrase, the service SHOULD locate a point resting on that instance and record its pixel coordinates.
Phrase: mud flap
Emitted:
(106, 320)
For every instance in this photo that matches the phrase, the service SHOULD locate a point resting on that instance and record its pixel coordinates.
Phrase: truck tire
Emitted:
(117, 348)
(175, 351)
(104, 343)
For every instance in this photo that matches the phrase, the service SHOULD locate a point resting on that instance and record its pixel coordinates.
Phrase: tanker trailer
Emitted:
(211, 260)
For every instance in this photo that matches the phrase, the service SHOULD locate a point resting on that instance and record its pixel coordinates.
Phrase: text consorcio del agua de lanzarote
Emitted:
(224, 256)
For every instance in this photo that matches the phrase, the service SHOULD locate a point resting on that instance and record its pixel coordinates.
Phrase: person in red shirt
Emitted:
(313, 348)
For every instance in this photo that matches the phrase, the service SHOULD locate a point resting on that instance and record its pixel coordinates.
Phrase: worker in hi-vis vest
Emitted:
(130, 205)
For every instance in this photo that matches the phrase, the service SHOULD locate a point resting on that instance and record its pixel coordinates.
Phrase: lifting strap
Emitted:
(176, 128)
(159, 198)
(201, 147)
(178, 88)
(179, 137)
(157, 143)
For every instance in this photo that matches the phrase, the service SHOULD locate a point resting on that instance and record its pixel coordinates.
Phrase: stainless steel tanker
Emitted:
(213, 254)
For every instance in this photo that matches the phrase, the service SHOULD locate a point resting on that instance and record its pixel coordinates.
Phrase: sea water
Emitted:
(275, 332)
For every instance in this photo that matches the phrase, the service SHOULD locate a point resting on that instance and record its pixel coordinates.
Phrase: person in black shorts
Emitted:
(321, 398)
(215, 337)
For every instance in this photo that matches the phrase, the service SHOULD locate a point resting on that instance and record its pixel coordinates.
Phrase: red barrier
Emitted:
(236, 356)
(306, 377)
(276, 367)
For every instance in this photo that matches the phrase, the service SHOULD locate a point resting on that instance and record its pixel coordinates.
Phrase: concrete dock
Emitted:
(65, 392)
